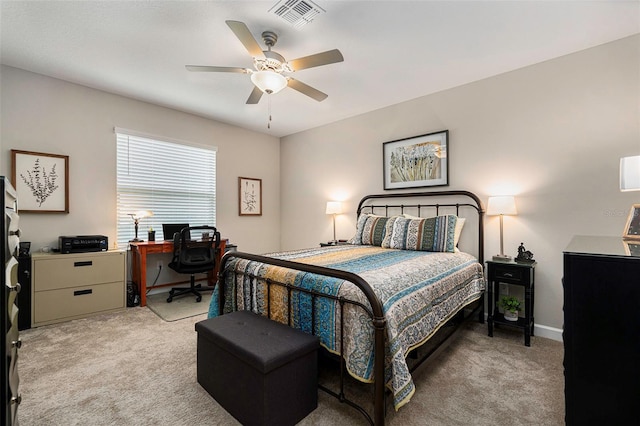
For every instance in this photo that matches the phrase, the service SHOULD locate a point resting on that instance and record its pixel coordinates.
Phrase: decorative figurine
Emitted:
(524, 255)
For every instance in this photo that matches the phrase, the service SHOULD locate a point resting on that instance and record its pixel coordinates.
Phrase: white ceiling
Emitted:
(394, 50)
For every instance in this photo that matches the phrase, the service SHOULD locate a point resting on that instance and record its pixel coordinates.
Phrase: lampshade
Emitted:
(141, 214)
(502, 205)
(334, 207)
(630, 173)
(269, 81)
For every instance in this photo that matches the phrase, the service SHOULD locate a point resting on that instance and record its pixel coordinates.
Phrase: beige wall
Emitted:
(47, 115)
(551, 134)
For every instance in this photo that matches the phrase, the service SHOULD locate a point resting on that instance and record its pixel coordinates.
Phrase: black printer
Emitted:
(82, 243)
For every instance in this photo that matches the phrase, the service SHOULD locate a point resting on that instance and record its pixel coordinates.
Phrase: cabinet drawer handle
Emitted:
(83, 263)
(507, 274)
(81, 292)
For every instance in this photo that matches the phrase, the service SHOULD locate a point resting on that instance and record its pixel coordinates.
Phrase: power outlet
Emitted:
(159, 265)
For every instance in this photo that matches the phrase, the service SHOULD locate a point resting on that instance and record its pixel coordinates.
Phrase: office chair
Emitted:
(193, 257)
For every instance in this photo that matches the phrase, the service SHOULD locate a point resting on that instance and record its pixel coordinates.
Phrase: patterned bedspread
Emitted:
(419, 291)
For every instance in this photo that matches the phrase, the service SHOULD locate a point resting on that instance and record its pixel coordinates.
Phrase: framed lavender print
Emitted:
(250, 196)
(41, 181)
(417, 161)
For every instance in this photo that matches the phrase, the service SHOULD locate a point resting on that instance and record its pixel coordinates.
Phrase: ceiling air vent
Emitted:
(297, 13)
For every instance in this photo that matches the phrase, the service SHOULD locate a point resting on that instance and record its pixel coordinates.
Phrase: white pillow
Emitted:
(458, 230)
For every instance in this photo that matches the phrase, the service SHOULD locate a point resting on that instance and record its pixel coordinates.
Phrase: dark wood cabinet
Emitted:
(10, 341)
(601, 331)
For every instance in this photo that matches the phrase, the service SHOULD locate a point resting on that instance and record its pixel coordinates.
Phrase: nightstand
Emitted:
(329, 244)
(512, 273)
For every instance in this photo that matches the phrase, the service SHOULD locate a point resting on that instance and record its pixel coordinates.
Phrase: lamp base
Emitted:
(502, 258)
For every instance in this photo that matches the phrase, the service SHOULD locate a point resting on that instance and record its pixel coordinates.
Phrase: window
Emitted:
(175, 181)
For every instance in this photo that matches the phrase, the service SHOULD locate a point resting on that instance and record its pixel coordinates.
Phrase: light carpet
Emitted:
(132, 368)
(180, 308)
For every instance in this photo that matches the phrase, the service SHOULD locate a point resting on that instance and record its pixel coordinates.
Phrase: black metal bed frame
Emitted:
(375, 310)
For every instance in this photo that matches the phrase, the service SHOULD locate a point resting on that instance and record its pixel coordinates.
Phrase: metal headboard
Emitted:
(367, 204)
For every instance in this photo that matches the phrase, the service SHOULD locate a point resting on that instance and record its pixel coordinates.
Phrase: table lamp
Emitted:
(503, 205)
(334, 208)
(630, 173)
(136, 220)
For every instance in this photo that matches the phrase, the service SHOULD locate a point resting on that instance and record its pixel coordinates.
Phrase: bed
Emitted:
(403, 277)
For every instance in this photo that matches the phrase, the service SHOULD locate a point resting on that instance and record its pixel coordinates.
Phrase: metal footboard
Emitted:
(374, 311)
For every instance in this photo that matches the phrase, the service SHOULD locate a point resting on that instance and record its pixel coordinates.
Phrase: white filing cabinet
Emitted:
(76, 285)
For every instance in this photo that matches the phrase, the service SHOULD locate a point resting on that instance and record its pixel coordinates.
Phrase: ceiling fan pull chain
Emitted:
(269, 102)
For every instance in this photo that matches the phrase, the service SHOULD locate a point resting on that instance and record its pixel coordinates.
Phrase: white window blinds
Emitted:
(177, 182)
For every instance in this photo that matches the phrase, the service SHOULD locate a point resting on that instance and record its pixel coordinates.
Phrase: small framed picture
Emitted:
(632, 228)
(41, 181)
(417, 161)
(249, 196)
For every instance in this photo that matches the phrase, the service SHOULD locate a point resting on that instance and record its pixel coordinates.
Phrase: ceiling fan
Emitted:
(269, 75)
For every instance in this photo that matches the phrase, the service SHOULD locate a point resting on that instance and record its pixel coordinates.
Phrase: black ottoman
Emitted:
(260, 371)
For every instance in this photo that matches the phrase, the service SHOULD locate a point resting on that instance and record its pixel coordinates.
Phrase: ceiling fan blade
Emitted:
(206, 68)
(255, 96)
(307, 90)
(246, 38)
(324, 58)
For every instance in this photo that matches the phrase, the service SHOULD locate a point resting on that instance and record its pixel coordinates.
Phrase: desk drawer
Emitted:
(159, 247)
(53, 305)
(61, 271)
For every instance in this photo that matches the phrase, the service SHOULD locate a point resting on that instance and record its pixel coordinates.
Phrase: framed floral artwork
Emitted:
(250, 196)
(41, 181)
(417, 161)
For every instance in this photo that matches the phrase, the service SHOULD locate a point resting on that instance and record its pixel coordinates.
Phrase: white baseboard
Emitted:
(547, 332)
(543, 331)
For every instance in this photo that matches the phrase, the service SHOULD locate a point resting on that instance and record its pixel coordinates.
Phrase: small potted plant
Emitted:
(511, 306)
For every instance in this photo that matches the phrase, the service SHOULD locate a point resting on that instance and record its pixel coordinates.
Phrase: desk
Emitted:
(139, 252)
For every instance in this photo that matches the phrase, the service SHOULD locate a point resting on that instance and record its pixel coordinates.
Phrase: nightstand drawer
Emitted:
(55, 305)
(511, 274)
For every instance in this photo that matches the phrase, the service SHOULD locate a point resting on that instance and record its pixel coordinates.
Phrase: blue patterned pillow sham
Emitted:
(371, 229)
(460, 221)
(430, 234)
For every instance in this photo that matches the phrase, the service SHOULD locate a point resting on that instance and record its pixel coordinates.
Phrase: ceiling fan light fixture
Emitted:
(268, 81)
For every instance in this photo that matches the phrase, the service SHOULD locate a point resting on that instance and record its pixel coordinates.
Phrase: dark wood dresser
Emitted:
(602, 331)
(10, 340)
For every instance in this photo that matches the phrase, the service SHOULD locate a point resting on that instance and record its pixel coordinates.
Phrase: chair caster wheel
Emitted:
(169, 299)
(199, 298)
